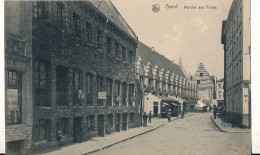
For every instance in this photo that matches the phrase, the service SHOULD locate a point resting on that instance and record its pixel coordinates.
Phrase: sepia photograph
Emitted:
(127, 77)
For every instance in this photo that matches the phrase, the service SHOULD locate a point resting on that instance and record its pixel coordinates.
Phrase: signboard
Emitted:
(102, 95)
(118, 98)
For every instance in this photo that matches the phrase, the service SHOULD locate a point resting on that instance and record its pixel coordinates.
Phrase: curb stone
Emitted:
(211, 117)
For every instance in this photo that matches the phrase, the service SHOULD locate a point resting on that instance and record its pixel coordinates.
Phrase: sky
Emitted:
(194, 35)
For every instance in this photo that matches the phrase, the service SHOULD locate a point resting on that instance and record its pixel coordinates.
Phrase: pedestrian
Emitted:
(59, 138)
(182, 114)
(169, 115)
(150, 117)
(145, 118)
(215, 111)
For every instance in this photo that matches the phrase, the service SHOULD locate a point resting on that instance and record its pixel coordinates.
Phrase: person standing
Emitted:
(182, 114)
(150, 117)
(145, 118)
(215, 111)
(169, 115)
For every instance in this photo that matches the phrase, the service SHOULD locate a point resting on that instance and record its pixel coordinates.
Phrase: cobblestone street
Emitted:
(192, 135)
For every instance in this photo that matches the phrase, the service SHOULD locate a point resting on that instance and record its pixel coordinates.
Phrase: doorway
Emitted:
(155, 109)
(77, 130)
(118, 122)
(101, 126)
(125, 121)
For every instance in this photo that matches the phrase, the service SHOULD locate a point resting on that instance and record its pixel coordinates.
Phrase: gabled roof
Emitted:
(107, 8)
(148, 54)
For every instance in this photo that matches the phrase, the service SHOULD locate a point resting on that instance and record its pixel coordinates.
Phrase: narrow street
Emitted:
(195, 134)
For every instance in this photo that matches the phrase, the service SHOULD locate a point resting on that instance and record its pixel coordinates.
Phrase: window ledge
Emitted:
(78, 106)
(43, 107)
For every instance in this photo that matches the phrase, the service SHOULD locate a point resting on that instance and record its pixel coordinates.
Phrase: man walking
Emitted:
(150, 117)
(145, 118)
(215, 111)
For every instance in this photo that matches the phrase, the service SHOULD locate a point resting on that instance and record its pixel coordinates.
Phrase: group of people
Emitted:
(149, 117)
(145, 116)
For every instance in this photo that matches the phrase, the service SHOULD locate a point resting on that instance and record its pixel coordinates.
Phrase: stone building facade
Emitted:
(162, 79)
(205, 84)
(236, 40)
(81, 71)
(18, 75)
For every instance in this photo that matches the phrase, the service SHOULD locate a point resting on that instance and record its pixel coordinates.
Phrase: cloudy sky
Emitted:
(191, 34)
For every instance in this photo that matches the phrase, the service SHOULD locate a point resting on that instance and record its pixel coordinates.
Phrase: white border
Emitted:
(255, 75)
(2, 87)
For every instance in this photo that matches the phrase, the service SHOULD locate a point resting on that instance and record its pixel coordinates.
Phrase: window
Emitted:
(89, 32)
(100, 89)
(132, 117)
(117, 92)
(157, 85)
(41, 86)
(109, 45)
(198, 81)
(123, 53)
(169, 88)
(124, 88)
(76, 22)
(110, 120)
(40, 9)
(89, 89)
(201, 74)
(61, 15)
(91, 123)
(150, 83)
(117, 50)
(109, 92)
(131, 57)
(77, 96)
(61, 85)
(219, 86)
(63, 126)
(99, 39)
(43, 129)
(131, 94)
(14, 97)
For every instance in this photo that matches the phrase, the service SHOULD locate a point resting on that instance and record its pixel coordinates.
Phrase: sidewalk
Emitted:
(98, 143)
(227, 127)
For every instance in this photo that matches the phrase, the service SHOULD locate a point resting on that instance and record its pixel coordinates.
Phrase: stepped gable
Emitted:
(107, 8)
(201, 69)
(148, 54)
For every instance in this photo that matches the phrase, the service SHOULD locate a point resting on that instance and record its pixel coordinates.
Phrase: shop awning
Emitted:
(167, 99)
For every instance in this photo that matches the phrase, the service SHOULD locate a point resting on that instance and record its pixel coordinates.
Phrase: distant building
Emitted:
(70, 67)
(220, 92)
(236, 40)
(163, 83)
(205, 84)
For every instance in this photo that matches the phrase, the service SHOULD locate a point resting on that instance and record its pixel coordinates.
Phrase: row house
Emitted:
(162, 80)
(71, 68)
(237, 54)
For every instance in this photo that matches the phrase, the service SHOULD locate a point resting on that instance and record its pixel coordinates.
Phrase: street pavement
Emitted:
(99, 143)
(196, 134)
